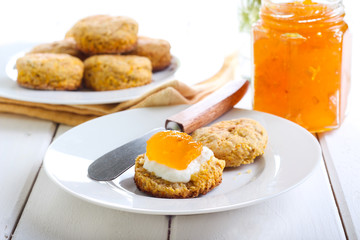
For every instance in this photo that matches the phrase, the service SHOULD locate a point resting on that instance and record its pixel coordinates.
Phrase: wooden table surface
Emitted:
(325, 206)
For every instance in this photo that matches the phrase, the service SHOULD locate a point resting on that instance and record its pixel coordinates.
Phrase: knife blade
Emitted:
(112, 164)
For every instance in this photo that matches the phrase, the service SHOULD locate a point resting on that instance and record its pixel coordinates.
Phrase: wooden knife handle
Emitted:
(209, 108)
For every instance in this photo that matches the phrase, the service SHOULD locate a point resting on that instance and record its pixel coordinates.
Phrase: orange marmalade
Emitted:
(173, 149)
(301, 54)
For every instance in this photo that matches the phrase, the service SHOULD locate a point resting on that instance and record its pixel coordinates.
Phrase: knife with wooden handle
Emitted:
(114, 163)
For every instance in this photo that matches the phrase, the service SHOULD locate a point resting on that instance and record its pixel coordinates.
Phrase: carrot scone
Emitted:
(49, 71)
(112, 72)
(67, 45)
(176, 166)
(104, 34)
(157, 50)
(237, 141)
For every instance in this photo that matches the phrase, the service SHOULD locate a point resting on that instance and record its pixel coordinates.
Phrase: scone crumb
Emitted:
(248, 171)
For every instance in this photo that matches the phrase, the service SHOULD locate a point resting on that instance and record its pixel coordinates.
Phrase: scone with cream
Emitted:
(176, 166)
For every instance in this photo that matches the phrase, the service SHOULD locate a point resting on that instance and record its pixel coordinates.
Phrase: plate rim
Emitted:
(182, 212)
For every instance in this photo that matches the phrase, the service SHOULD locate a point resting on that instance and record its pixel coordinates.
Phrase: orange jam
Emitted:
(301, 54)
(173, 149)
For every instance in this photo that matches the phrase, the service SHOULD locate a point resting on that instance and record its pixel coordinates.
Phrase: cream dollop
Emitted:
(174, 175)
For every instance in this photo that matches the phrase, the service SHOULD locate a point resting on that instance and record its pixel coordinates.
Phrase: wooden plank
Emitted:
(61, 130)
(342, 157)
(341, 147)
(52, 213)
(23, 142)
(306, 212)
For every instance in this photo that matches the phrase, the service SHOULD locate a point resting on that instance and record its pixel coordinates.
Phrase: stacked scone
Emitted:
(99, 52)
(177, 165)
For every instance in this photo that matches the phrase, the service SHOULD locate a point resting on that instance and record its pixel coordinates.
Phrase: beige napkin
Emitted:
(170, 93)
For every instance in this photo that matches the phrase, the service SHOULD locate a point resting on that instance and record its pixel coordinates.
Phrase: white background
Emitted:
(46, 21)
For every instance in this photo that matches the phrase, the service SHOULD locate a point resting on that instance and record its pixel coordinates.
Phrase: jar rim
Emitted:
(314, 1)
(302, 13)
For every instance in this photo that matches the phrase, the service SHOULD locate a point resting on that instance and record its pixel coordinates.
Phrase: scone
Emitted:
(237, 141)
(112, 72)
(49, 71)
(67, 46)
(175, 166)
(157, 50)
(101, 34)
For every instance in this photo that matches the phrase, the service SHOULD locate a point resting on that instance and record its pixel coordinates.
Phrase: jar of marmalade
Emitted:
(301, 55)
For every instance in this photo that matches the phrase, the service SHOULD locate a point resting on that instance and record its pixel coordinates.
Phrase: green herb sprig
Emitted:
(248, 13)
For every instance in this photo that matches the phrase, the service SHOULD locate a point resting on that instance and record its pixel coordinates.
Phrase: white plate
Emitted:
(291, 155)
(184, 67)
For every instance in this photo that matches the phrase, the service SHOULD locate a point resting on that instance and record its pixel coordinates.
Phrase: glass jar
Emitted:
(301, 55)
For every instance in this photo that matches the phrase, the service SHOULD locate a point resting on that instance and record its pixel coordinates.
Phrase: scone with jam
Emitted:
(176, 166)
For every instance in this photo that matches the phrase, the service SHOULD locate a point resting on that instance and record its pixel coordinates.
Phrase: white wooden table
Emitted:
(325, 206)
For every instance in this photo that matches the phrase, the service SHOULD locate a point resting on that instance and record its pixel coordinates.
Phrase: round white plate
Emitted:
(291, 155)
(184, 67)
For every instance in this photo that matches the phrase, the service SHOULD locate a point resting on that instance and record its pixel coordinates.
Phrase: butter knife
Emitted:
(114, 163)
